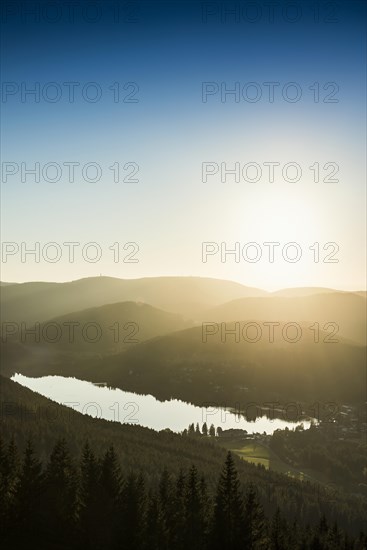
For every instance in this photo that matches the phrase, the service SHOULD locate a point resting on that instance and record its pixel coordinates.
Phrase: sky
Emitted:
(173, 96)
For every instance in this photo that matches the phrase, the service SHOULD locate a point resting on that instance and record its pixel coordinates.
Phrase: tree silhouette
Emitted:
(254, 521)
(60, 493)
(89, 498)
(57, 509)
(29, 491)
(194, 521)
(228, 527)
(9, 464)
(110, 497)
(132, 509)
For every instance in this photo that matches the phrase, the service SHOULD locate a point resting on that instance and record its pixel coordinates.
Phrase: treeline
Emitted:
(92, 504)
(206, 431)
(25, 414)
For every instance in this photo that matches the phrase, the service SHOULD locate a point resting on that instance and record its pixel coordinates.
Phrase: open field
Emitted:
(257, 452)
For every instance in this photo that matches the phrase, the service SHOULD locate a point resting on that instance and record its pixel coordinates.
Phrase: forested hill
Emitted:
(25, 414)
(92, 504)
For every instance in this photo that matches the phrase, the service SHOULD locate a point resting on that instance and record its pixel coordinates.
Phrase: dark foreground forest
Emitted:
(91, 503)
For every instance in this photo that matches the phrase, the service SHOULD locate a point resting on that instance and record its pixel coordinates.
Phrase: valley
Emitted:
(176, 384)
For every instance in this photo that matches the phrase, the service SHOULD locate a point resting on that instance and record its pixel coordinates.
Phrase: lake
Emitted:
(144, 410)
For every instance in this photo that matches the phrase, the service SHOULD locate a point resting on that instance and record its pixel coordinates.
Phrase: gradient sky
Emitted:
(168, 49)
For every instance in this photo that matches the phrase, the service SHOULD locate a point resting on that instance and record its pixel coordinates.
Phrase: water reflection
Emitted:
(145, 410)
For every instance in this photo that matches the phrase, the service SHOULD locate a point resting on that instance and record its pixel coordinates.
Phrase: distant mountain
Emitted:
(39, 301)
(113, 327)
(96, 331)
(303, 291)
(182, 365)
(346, 309)
(167, 359)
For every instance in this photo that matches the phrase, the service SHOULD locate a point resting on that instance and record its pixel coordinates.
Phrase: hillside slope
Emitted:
(184, 366)
(25, 414)
(347, 309)
(105, 329)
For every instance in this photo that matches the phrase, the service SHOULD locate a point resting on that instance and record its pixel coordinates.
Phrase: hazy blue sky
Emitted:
(168, 49)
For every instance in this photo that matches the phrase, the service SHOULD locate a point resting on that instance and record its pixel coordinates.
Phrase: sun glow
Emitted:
(282, 217)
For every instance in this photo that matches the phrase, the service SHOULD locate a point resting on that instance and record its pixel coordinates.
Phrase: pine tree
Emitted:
(152, 531)
(205, 504)
(254, 521)
(178, 525)
(132, 511)
(110, 487)
(295, 537)
(60, 494)
(204, 429)
(9, 465)
(228, 522)
(166, 510)
(194, 525)
(277, 531)
(212, 430)
(89, 498)
(51, 509)
(111, 474)
(29, 491)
